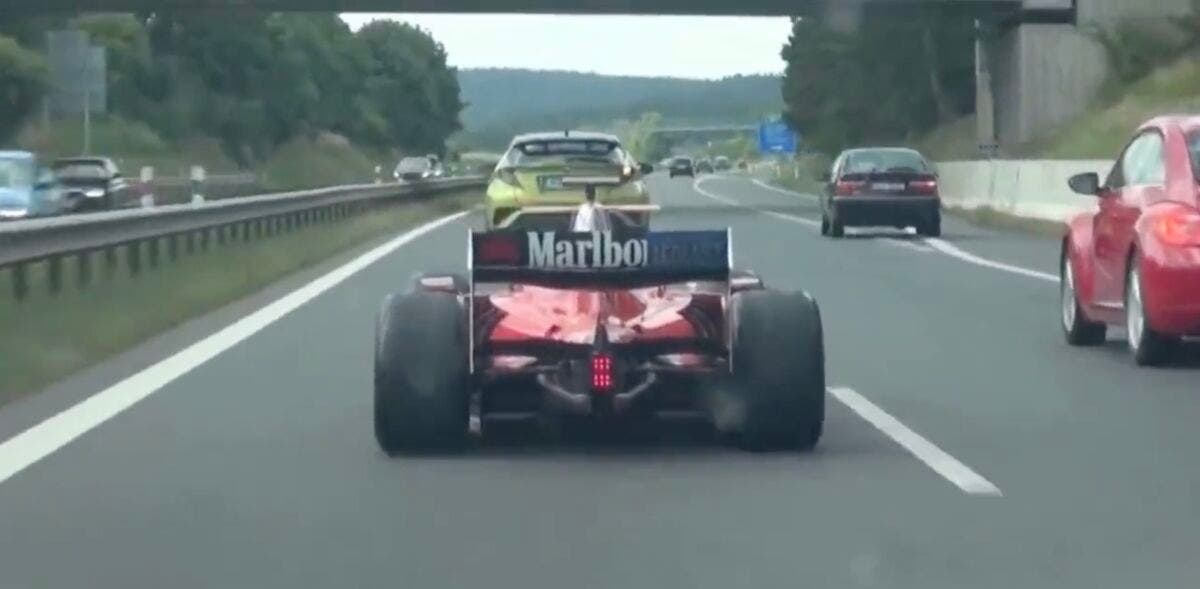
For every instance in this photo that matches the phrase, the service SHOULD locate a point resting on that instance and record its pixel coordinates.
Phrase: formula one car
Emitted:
(606, 327)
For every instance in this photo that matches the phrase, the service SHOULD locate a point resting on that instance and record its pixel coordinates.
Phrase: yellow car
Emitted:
(547, 171)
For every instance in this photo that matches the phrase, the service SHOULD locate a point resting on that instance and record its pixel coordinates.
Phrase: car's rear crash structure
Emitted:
(601, 327)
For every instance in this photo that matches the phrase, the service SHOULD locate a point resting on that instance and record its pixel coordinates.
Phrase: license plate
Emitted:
(887, 186)
(551, 182)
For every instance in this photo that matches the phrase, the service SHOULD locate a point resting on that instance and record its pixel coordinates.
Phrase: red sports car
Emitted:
(603, 327)
(1136, 261)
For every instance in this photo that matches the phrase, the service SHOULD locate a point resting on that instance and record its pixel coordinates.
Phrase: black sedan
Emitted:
(881, 186)
(92, 183)
(681, 166)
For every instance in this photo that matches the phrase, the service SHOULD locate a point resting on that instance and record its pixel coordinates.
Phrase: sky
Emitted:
(677, 46)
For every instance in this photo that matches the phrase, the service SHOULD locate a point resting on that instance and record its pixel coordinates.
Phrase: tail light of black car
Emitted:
(847, 186)
(924, 186)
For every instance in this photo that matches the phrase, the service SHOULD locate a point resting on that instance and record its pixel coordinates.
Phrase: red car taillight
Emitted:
(847, 187)
(508, 176)
(923, 186)
(1179, 226)
(602, 373)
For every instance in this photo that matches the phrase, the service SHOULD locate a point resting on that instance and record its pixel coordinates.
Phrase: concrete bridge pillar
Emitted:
(1041, 67)
(843, 16)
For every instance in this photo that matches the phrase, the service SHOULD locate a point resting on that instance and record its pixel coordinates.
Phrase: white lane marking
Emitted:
(954, 252)
(57, 431)
(696, 185)
(937, 244)
(945, 465)
(784, 190)
(918, 246)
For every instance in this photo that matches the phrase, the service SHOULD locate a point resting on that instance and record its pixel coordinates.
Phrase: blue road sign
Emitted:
(776, 137)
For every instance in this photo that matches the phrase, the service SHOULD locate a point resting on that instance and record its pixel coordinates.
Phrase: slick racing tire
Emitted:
(778, 369)
(422, 391)
(458, 281)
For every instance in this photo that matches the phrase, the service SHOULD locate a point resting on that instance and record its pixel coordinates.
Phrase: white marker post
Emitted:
(197, 178)
(147, 180)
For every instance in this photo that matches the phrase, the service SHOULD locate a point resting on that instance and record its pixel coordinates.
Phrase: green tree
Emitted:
(892, 78)
(23, 82)
(409, 85)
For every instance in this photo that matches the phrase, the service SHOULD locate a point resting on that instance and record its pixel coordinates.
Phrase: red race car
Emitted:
(1136, 261)
(603, 327)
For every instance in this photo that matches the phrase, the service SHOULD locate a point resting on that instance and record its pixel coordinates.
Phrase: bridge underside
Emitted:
(675, 7)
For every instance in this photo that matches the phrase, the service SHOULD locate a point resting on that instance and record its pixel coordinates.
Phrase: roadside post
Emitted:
(146, 179)
(197, 182)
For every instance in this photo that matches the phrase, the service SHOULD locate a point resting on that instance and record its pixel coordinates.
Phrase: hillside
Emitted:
(1102, 131)
(502, 102)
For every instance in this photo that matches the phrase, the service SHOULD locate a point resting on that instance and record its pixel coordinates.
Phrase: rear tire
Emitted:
(422, 390)
(778, 369)
(1077, 329)
(836, 229)
(824, 225)
(1149, 347)
(933, 226)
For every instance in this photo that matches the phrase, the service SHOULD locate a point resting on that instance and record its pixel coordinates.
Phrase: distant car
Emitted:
(92, 183)
(682, 166)
(545, 169)
(704, 166)
(743, 165)
(414, 169)
(722, 164)
(435, 163)
(881, 186)
(1134, 261)
(27, 189)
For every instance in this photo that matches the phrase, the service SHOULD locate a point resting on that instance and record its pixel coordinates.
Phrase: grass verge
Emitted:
(989, 217)
(47, 337)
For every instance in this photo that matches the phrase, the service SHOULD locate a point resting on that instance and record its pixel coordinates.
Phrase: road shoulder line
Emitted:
(43, 439)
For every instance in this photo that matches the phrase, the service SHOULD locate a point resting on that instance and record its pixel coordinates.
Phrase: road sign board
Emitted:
(776, 137)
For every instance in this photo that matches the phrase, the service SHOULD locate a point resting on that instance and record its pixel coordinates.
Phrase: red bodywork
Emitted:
(526, 314)
(1155, 216)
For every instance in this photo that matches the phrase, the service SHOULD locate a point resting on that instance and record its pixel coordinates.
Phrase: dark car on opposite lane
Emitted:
(704, 166)
(682, 166)
(881, 186)
(92, 183)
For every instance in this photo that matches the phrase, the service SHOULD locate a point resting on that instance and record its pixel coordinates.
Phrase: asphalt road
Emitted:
(966, 446)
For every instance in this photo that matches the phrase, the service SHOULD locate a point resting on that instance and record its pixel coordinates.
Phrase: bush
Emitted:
(1136, 47)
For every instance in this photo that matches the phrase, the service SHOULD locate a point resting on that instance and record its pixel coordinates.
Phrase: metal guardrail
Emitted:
(50, 240)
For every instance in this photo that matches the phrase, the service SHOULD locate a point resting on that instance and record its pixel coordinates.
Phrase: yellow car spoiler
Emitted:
(621, 211)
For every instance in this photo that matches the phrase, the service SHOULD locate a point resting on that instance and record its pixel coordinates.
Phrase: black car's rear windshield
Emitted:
(884, 160)
(82, 170)
(536, 153)
(681, 161)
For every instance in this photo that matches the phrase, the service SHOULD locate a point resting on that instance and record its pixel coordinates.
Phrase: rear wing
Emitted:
(623, 259)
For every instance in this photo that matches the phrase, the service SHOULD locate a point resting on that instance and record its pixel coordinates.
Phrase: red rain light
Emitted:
(602, 373)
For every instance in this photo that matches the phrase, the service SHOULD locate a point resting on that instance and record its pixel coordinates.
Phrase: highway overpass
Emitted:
(696, 7)
(1036, 64)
